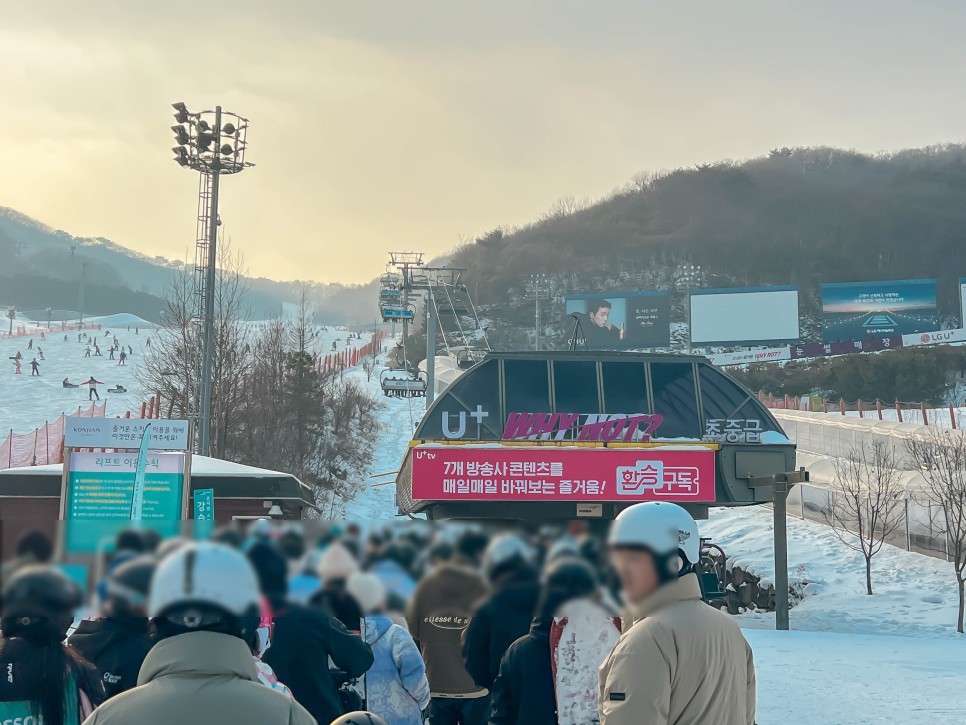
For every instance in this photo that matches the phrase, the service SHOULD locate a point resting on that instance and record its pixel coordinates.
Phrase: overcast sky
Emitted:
(404, 124)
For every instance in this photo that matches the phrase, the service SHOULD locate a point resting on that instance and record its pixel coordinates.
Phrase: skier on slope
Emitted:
(43, 680)
(122, 358)
(34, 368)
(204, 604)
(524, 692)
(679, 661)
(92, 388)
(506, 613)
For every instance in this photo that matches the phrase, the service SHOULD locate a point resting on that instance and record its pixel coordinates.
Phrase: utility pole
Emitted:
(538, 285)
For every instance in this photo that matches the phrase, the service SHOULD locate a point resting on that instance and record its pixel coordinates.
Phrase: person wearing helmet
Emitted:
(117, 643)
(524, 691)
(359, 718)
(204, 604)
(305, 639)
(679, 661)
(43, 680)
(506, 613)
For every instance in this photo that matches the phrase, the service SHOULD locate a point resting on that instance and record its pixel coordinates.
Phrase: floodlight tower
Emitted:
(212, 143)
(538, 286)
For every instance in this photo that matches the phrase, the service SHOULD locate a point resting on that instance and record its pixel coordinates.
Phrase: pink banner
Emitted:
(465, 473)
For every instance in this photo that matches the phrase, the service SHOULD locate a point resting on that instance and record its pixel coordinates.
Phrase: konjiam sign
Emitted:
(492, 473)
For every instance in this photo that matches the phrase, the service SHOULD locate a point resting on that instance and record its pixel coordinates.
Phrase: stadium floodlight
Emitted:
(202, 147)
(181, 135)
(181, 112)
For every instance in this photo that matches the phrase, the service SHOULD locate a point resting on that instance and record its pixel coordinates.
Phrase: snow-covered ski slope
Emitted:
(27, 402)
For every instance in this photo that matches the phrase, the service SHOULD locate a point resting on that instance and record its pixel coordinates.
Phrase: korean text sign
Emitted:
(125, 433)
(463, 473)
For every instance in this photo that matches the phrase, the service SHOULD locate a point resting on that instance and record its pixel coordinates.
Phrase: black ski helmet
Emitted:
(39, 600)
(359, 718)
(565, 579)
(128, 586)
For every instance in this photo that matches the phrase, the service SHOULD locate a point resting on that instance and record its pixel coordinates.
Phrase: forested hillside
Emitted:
(797, 216)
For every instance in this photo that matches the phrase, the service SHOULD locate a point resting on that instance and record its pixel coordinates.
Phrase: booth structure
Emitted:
(586, 434)
(30, 497)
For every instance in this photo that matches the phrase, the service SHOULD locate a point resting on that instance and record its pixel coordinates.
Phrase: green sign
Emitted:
(204, 499)
(99, 493)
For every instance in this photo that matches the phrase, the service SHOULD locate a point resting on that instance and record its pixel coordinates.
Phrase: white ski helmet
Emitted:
(660, 527)
(502, 549)
(205, 573)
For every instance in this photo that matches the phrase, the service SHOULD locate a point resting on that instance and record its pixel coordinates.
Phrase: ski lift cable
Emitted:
(476, 316)
(440, 322)
(456, 316)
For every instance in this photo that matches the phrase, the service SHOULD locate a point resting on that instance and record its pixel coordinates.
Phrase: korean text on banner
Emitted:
(562, 474)
(125, 433)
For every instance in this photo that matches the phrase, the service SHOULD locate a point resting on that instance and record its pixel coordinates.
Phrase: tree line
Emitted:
(272, 407)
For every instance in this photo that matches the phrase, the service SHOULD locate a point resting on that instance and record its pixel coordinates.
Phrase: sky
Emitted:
(381, 125)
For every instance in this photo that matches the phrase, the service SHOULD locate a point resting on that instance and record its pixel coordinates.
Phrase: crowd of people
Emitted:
(449, 625)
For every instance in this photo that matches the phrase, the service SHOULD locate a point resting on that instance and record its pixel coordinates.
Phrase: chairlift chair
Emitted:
(398, 313)
(398, 384)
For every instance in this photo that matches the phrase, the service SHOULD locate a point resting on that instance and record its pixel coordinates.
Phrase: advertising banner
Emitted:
(751, 356)
(859, 310)
(621, 320)
(747, 316)
(962, 301)
(125, 433)
(464, 473)
(100, 491)
(935, 338)
(826, 349)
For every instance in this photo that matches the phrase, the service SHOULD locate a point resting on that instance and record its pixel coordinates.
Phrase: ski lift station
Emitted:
(585, 434)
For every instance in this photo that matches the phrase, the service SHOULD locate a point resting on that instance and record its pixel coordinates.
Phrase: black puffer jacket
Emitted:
(501, 619)
(523, 694)
(116, 646)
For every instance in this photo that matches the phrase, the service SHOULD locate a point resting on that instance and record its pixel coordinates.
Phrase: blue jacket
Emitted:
(396, 684)
(396, 579)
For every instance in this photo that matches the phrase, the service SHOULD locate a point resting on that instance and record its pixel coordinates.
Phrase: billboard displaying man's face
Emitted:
(621, 320)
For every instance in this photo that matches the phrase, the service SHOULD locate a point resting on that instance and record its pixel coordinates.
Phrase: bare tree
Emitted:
(940, 456)
(172, 367)
(866, 501)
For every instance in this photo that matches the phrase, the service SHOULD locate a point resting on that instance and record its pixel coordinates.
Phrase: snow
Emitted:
(26, 402)
(855, 679)
(398, 418)
(914, 594)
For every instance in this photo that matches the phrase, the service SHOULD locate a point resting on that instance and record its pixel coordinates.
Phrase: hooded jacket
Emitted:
(303, 640)
(116, 646)
(395, 686)
(200, 678)
(499, 621)
(524, 692)
(678, 662)
(438, 613)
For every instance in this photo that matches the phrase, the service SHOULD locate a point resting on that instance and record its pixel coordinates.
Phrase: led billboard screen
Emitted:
(859, 310)
(621, 320)
(745, 316)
